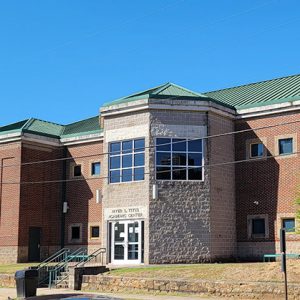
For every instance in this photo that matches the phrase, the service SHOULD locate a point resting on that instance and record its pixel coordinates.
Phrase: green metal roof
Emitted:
(278, 90)
(49, 129)
(169, 89)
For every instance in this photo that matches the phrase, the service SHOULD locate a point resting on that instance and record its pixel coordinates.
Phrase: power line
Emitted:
(159, 172)
(154, 146)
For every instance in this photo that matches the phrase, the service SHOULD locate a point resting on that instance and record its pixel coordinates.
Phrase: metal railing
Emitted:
(62, 266)
(44, 267)
(83, 261)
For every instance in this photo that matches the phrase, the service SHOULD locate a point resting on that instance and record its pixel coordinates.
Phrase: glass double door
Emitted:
(126, 242)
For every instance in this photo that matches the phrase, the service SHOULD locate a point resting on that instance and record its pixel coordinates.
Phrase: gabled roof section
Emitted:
(43, 128)
(14, 127)
(171, 90)
(278, 90)
(87, 126)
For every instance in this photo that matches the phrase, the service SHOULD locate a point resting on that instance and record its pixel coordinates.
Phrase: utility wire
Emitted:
(165, 171)
(154, 146)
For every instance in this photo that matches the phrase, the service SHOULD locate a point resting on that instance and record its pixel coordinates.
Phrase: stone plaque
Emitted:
(125, 213)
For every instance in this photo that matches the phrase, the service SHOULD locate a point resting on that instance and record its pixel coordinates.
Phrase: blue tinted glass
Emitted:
(258, 226)
(139, 159)
(179, 145)
(139, 145)
(165, 144)
(115, 148)
(163, 158)
(289, 225)
(139, 174)
(115, 176)
(126, 175)
(195, 159)
(127, 161)
(195, 174)
(179, 174)
(127, 147)
(96, 168)
(179, 159)
(163, 173)
(257, 150)
(115, 162)
(195, 145)
(285, 146)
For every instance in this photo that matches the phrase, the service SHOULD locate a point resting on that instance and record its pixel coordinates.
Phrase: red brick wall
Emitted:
(273, 182)
(81, 195)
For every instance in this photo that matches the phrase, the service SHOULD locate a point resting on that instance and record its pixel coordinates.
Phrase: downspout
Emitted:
(63, 197)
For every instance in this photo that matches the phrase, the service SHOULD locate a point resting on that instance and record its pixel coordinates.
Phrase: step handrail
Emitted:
(84, 261)
(53, 257)
(53, 273)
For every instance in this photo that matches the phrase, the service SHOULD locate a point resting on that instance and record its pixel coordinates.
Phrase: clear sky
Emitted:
(60, 60)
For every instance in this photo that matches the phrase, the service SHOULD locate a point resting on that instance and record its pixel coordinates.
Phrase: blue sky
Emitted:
(60, 60)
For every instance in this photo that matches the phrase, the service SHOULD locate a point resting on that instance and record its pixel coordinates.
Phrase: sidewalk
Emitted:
(47, 294)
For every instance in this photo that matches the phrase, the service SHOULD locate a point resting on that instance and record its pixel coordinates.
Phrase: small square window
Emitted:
(77, 171)
(288, 224)
(75, 232)
(95, 232)
(96, 168)
(258, 227)
(285, 146)
(256, 150)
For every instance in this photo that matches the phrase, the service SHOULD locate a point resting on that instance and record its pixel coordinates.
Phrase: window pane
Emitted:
(119, 252)
(115, 162)
(257, 150)
(139, 174)
(179, 145)
(195, 145)
(163, 158)
(139, 145)
(119, 232)
(195, 159)
(126, 175)
(115, 176)
(95, 232)
(163, 173)
(285, 146)
(77, 170)
(133, 251)
(115, 148)
(179, 174)
(127, 161)
(139, 159)
(289, 225)
(179, 159)
(195, 173)
(75, 232)
(96, 168)
(258, 226)
(166, 146)
(127, 147)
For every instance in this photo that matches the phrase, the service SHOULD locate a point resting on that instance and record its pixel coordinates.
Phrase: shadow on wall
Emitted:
(256, 194)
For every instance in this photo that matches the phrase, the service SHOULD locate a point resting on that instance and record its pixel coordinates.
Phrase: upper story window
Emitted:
(179, 159)
(256, 150)
(285, 146)
(77, 171)
(127, 161)
(95, 168)
(289, 224)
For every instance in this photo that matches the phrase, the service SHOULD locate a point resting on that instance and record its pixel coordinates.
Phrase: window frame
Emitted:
(72, 169)
(252, 235)
(120, 154)
(250, 150)
(91, 168)
(278, 145)
(187, 167)
(70, 239)
(91, 232)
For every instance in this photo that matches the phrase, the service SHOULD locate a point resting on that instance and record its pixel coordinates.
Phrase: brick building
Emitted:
(166, 175)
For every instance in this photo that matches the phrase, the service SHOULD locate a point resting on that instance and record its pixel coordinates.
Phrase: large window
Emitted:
(179, 159)
(127, 161)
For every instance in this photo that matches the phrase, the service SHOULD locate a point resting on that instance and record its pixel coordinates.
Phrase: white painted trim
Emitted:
(82, 139)
(10, 137)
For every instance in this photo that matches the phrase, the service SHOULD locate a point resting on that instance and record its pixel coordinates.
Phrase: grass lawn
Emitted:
(12, 268)
(263, 272)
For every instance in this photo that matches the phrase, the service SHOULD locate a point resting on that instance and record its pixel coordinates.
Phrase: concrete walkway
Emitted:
(47, 294)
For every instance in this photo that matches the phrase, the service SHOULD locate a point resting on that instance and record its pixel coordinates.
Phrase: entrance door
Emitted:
(34, 243)
(126, 242)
